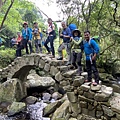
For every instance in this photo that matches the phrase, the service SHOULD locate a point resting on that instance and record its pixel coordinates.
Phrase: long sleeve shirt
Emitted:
(66, 32)
(27, 34)
(76, 44)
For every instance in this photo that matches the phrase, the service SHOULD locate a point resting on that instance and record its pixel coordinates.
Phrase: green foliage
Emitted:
(6, 56)
(22, 10)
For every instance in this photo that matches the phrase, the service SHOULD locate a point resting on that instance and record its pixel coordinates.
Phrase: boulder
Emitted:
(16, 107)
(11, 90)
(61, 111)
(46, 97)
(37, 81)
(56, 95)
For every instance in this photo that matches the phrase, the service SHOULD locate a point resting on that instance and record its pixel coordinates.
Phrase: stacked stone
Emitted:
(98, 102)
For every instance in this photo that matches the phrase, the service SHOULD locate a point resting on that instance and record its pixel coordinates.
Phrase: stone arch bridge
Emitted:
(100, 102)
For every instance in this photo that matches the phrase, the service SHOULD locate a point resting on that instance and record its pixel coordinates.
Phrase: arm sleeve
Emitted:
(68, 32)
(77, 42)
(30, 34)
(95, 47)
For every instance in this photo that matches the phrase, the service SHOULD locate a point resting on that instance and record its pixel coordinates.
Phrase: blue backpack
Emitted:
(72, 27)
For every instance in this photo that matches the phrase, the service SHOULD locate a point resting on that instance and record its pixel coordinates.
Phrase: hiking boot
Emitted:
(60, 58)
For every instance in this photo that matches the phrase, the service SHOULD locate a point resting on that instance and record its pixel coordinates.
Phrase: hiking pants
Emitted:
(18, 51)
(51, 40)
(76, 58)
(66, 46)
(92, 68)
(38, 45)
(25, 44)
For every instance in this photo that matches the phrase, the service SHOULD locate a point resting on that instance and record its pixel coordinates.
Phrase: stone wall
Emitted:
(100, 102)
(97, 101)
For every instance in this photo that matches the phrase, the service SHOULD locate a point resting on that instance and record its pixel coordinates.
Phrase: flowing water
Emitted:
(33, 112)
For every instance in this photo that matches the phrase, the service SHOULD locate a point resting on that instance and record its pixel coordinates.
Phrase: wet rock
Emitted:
(46, 97)
(50, 108)
(56, 96)
(31, 100)
(15, 108)
(61, 111)
(40, 82)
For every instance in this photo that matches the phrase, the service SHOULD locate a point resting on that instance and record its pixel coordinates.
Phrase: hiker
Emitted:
(65, 35)
(27, 37)
(76, 50)
(37, 38)
(91, 50)
(50, 38)
(19, 45)
(13, 42)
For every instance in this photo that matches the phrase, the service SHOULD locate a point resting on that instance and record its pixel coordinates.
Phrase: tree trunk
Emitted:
(12, 1)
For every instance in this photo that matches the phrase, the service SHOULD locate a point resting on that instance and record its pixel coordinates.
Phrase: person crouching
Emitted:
(76, 50)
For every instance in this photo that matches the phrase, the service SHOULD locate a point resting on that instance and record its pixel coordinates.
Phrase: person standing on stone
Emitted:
(91, 50)
(76, 50)
(37, 39)
(65, 35)
(27, 38)
(50, 39)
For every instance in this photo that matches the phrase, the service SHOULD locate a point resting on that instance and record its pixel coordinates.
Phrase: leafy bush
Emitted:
(6, 57)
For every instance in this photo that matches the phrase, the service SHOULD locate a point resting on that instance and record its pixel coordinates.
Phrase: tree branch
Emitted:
(12, 1)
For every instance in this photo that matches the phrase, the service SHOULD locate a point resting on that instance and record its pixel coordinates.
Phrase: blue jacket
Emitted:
(66, 32)
(90, 47)
(27, 34)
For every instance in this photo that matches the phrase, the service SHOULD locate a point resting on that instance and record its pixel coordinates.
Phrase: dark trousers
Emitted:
(51, 40)
(76, 58)
(18, 51)
(92, 68)
(24, 43)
